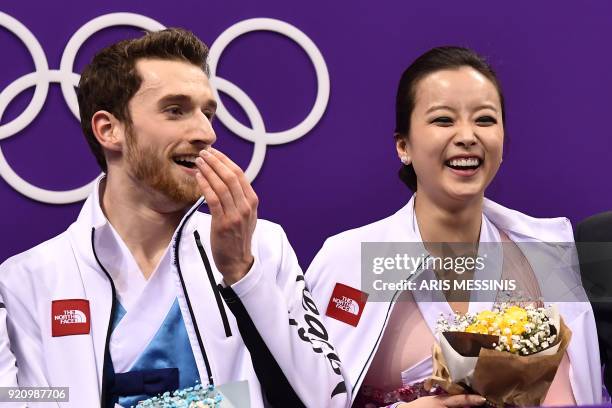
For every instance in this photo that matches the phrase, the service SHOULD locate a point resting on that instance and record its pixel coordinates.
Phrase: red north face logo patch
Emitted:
(346, 304)
(69, 317)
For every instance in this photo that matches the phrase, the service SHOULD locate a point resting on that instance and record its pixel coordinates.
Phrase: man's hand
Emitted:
(233, 207)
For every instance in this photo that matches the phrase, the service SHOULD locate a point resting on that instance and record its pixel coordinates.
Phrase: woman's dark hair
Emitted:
(436, 59)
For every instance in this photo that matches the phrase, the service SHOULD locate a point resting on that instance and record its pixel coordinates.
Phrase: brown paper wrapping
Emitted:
(504, 378)
(470, 344)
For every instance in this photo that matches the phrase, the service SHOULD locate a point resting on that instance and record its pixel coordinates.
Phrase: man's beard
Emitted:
(156, 173)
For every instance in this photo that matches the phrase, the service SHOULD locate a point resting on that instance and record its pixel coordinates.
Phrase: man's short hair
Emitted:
(111, 79)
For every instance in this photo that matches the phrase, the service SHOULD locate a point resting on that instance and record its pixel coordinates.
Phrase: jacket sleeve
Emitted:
(8, 362)
(8, 369)
(283, 330)
(583, 350)
(21, 352)
(593, 241)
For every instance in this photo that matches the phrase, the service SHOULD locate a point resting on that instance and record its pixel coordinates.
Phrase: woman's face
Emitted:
(456, 135)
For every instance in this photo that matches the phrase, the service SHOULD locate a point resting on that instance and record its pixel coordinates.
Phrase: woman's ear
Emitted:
(109, 132)
(403, 149)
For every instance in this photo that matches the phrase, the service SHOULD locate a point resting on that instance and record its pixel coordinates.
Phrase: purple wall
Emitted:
(552, 58)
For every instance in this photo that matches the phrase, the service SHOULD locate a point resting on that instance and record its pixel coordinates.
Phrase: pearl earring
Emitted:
(405, 160)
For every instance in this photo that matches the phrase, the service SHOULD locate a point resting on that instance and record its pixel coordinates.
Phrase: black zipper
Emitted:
(177, 241)
(105, 373)
(213, 284)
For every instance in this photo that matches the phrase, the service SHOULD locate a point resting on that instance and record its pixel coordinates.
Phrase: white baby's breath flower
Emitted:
(524, 330)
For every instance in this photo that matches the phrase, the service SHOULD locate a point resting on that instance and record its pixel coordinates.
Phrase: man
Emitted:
(127, 303)
(594, 243)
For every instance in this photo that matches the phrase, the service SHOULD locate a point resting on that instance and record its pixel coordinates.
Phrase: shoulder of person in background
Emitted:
(597, 228)
(594, 245)
(593, 237)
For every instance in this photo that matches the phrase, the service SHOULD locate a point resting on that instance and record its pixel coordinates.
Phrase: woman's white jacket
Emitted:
(339, 261)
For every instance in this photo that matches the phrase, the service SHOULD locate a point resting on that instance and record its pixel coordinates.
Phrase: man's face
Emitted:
(171, 123)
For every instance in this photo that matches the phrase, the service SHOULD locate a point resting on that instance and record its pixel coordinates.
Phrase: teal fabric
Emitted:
(119, 313)
(169, 348)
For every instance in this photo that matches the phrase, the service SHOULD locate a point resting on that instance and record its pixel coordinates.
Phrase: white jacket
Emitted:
(339, 261)
(287, 355)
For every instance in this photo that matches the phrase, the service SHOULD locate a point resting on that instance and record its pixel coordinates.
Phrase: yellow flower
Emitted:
(487, 315)
(477, 328)
(517, 313)
(515, 318)
(510, 321)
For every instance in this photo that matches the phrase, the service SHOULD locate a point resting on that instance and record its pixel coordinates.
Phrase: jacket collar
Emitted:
(518, 226)
(96, 287)
(402, 227)
(92, 217)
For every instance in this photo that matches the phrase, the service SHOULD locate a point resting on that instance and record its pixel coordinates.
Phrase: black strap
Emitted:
(211, 279)
(276, 388)
(108, 399)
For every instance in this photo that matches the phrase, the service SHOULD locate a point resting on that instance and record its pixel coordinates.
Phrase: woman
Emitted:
(449, 137)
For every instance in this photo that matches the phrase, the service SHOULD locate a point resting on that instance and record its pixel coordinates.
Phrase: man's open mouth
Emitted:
(464, 163)
(186, 161)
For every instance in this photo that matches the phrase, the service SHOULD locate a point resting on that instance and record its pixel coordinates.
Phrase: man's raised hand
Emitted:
(233, 207)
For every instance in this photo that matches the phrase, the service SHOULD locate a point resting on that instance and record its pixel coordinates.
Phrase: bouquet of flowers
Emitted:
(509, 354)
(192, 397)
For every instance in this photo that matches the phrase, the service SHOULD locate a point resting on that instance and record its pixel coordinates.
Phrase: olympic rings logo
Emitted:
(43, 76)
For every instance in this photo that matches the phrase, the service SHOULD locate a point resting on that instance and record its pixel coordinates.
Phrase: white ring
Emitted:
(247, 104)
(269, 24)
(41, 79)
(40, 93)
(67, 79)
(90, 28)
(7, 172)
